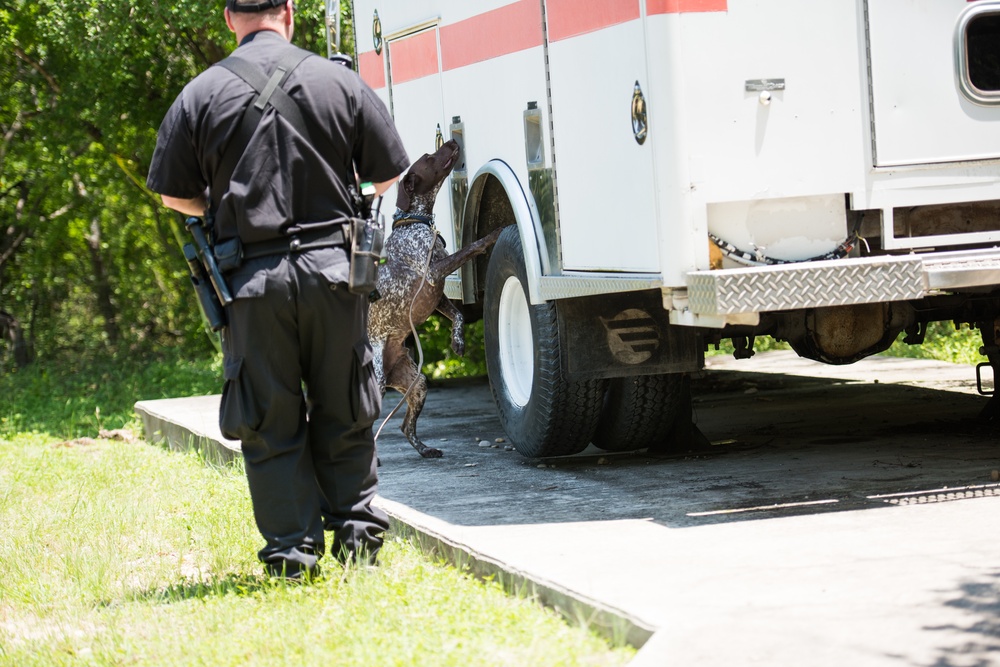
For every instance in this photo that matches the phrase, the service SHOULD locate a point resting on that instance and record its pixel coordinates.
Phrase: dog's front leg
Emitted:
(444, 266)
(449, 310)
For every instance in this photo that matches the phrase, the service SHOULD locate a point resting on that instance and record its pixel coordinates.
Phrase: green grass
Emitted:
(943, 342)
(439, 360)
(71, 398)
(116, 553)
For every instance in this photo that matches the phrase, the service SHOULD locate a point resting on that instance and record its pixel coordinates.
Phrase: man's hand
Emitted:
(195, 207)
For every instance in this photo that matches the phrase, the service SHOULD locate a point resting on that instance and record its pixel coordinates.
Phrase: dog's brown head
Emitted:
(419, 187)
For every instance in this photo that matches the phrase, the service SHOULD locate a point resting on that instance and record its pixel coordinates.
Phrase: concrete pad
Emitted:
(836, 521)
(186, 424)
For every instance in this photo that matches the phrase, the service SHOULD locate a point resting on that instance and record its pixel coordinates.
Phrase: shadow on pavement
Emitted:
(785, 445)
(979, 602)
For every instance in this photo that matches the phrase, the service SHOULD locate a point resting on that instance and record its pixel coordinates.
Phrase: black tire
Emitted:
(643, 412)
(542, 413)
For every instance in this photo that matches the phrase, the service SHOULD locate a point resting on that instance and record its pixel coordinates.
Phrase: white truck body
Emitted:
(739, 158)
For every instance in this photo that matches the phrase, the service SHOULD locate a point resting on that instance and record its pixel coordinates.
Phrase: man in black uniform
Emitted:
(300, 391)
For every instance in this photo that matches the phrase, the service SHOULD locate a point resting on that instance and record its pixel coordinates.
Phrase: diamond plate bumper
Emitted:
(805, 285)
(950, 271)
(839, 282)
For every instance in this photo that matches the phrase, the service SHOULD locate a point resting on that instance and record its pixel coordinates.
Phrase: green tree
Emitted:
(89, 259)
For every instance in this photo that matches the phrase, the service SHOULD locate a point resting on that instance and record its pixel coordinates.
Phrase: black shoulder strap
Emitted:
(269, 91)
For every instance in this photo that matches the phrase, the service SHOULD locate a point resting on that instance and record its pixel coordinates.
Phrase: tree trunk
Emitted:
(10, 331)
(102, 286)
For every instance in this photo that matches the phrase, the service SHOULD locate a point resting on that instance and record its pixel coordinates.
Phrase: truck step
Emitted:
(805, 285)
(962, 269)
(839, 282)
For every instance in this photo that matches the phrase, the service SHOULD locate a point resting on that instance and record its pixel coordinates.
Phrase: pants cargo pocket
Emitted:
(365, 400)
(239, 417)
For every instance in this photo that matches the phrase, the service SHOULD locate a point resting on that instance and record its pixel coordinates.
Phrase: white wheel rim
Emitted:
(517, 353)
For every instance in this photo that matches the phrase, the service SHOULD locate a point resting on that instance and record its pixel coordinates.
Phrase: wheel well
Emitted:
(488, 209)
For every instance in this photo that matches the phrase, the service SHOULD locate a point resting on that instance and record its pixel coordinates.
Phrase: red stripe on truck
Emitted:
(508, 29)
(371, 67)
(684, 6)
(569, 18)
(413, 57)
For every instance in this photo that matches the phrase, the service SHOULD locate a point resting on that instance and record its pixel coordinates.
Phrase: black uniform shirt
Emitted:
(282, 184)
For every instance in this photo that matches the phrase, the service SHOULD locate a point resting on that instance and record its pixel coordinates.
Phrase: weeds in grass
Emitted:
(77, 399)
(116, 552)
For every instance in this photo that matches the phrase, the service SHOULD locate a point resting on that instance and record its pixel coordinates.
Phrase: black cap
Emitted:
(259, 6)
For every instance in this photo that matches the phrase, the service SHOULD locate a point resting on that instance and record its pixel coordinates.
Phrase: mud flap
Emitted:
(618, 335)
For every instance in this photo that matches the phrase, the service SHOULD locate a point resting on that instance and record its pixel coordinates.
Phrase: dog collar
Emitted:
(404, 218)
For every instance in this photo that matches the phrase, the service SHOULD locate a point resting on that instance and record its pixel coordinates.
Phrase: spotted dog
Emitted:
(411, 284)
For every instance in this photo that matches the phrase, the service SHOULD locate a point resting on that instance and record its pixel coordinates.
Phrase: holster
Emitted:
(207, 298)
(205, 271)
(228, 254)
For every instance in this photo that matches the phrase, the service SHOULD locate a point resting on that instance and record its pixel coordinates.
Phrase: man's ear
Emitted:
(289, 20)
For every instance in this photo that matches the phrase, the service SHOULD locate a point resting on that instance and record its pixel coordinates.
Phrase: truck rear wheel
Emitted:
(542, 413)
(642, 412)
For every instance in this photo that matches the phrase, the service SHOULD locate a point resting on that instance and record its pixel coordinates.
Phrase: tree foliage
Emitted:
(89, 259)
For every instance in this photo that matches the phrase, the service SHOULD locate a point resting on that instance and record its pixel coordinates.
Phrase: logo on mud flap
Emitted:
(633, 336)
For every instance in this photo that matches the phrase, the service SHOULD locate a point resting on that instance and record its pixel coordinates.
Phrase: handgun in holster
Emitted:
(209, 283)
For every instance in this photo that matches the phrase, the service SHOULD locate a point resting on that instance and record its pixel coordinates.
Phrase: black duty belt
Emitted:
(309, 240)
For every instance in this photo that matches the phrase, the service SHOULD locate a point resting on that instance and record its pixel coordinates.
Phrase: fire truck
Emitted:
(672, 173)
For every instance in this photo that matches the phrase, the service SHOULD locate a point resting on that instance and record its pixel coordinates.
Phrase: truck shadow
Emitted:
(783, 445)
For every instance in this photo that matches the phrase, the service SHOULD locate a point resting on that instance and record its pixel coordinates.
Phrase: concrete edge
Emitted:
(654, 653)
(160, 430)
(430, 534)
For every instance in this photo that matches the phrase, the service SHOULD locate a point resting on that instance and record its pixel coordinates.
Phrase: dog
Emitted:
(411, 285)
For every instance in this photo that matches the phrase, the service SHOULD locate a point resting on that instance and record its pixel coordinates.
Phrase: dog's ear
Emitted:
(404, 193)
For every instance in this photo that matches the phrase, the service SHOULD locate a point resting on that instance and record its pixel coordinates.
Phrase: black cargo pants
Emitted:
(310, 455)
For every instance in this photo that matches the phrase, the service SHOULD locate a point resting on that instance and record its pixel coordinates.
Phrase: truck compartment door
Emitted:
(935, 95)
(414, 66)
(603, 159)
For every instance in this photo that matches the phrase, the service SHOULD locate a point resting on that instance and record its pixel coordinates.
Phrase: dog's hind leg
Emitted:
(400, 375)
